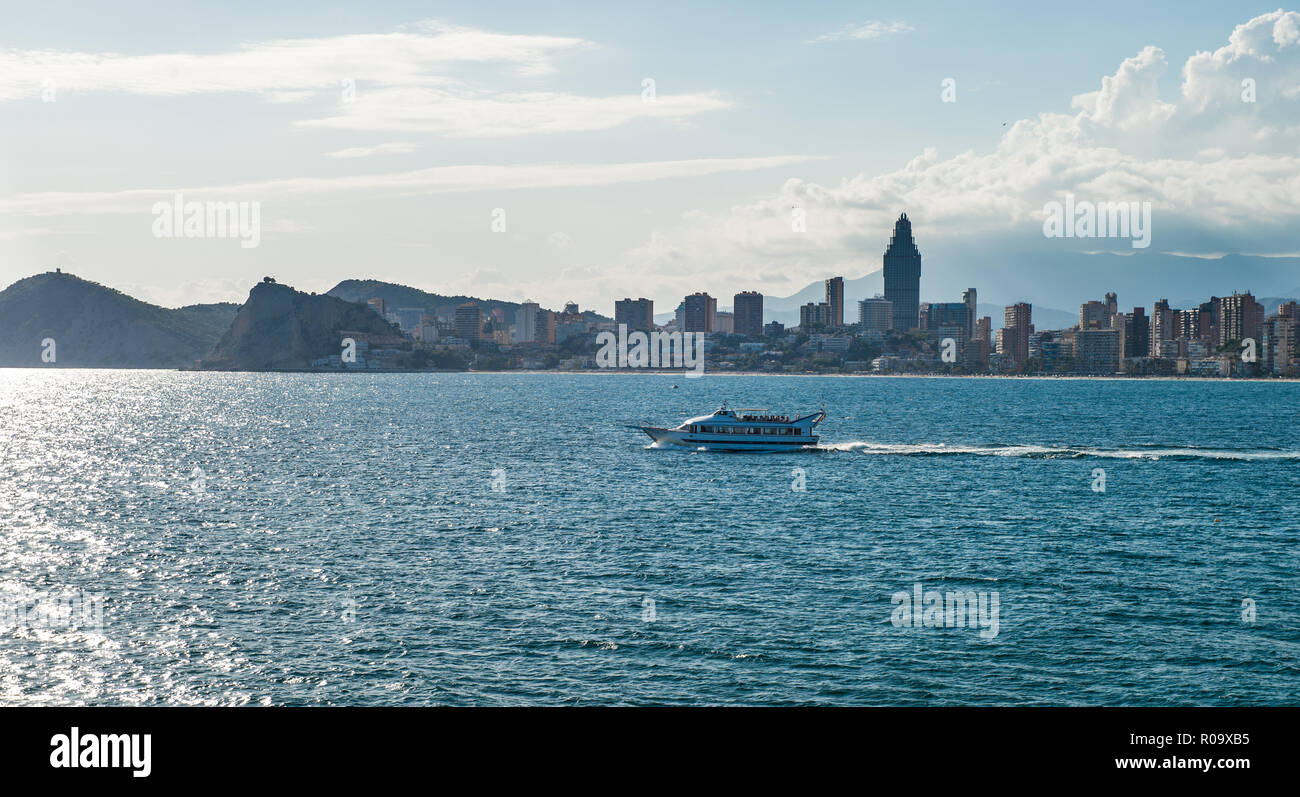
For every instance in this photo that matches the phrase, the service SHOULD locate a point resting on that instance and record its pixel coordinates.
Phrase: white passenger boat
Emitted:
(741, 430)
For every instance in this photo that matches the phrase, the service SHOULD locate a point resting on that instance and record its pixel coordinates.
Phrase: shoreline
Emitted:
(679, 374)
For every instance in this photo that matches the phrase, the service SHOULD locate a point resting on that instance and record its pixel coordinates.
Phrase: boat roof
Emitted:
(736, 416)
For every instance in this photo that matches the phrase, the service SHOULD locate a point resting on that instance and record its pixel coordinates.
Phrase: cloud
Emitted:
(405, 80)
(456, 112)
(391, 148)
(871, 29)
(410, 57)
(437, 180)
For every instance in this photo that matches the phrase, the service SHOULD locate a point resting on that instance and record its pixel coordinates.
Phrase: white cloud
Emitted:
(871, 29)
(410, 57)
(391, 148)
(401, 81)
(456, 112)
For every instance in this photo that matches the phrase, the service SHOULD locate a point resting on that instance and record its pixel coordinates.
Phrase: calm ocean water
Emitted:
(503, 539)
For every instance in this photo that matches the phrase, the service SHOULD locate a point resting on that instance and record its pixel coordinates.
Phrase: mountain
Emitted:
(1043, 317)
(281, 328)
(786, 308)
(94, 326)
(1068, 279)
(443, 306)
(396, 296)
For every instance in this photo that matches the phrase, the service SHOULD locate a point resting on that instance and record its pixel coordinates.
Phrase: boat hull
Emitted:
(714, 442)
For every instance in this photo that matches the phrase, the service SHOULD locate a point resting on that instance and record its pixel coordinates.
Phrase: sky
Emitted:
(591, 151)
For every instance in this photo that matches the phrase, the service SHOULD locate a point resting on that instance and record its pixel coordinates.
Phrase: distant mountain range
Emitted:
(93, 326)
(397, 296)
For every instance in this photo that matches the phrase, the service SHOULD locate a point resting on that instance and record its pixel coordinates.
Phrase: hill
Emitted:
(94, 326)
(281, 328)
(441, 305)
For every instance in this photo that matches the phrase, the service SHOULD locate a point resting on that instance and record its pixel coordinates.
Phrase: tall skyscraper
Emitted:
(526, 322)
(1137, 336)
(700, 312)
(972, 306)
(748, 309)
(903, 275)
(636, 313)
(983, 331)
(1013, 338)
(835, 298)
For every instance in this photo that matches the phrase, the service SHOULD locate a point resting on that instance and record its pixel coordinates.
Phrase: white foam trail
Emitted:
(1056, 452)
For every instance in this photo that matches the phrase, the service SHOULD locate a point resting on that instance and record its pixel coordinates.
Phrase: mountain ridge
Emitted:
(95, 326)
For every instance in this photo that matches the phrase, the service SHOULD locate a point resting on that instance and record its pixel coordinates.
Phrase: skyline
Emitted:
(641, 198)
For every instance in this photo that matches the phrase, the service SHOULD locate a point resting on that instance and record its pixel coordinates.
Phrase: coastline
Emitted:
(679, 374)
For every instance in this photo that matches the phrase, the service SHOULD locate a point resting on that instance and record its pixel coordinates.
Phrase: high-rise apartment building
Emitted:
(1097, 351)
(972, 310)
(1013, 338)
(747, 306)
(469, 322)
(700, 313)
(1137, 334)
(876, 314)
(636, 313)
(814, 314)
(526, 322)
(1239, 318)
(546, 327)
(835, 298)
(983, 332)
(1095, 315)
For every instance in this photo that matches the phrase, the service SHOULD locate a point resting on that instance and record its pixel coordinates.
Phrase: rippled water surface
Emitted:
(503, 539)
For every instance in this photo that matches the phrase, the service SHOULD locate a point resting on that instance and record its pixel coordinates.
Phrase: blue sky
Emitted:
(538, 109)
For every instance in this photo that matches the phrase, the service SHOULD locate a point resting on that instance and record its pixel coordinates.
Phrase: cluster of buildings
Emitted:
(1224, 336)
(894, 331)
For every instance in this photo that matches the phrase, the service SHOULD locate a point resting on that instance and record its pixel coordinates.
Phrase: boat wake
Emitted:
(1060, 452)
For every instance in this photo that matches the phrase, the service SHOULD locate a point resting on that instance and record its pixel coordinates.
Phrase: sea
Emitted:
(175, 538)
